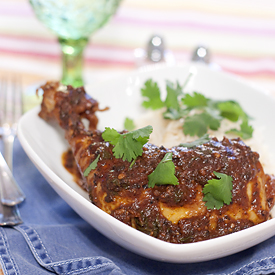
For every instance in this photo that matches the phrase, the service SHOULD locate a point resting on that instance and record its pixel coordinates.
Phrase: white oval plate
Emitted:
(44, 143)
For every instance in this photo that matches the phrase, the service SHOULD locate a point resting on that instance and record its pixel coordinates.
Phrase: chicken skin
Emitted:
(172, 213)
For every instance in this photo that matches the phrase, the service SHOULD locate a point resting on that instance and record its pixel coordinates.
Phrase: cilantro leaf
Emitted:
(142, 135)
(245, 131)
(218, 192)
(203, 139)
(152, 92)
(173, 92)
(212, 121)
(194, 125)
(91, 167)
(198, 124)
(164, 172)
(231, 110)
(195, 100)
(127, 146)
(129, 124)
(111, 135)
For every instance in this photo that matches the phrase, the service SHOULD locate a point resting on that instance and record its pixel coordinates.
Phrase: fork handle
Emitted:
(8, 150)
(11, 193)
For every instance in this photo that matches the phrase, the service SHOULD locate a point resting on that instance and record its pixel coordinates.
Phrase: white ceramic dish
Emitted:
(44, 144)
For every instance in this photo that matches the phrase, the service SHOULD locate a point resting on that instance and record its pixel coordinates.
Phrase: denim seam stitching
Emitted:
(40, 241)
(7, 252)
(75, 260)
(33, 249)
(46, 251)
(84, 269)
(254, 262)
(91, 267)
(260, 268)
(51, 265)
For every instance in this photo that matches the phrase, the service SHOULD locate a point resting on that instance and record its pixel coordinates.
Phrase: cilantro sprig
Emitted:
(91, 167)
(199, 112)
(152, 92)
(218, 192)
(127, 146)
(244, 132)
(164, 172)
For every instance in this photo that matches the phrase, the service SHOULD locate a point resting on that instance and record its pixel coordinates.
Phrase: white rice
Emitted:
(169, 133)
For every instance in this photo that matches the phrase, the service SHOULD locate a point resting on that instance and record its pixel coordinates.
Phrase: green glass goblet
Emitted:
(74, 21)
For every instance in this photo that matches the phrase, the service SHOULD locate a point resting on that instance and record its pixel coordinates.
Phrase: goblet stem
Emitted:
(72, 60)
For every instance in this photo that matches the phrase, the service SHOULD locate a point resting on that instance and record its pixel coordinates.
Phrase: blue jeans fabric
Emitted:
(54, 240)
(84, 265)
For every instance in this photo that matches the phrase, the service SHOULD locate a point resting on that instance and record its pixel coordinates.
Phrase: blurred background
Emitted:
(240, 34)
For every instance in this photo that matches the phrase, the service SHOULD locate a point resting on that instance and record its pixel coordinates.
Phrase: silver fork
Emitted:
(9, 215)
(10, 112)
(10, 192)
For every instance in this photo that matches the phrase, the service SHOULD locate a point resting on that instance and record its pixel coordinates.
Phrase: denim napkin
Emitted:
(54, 240)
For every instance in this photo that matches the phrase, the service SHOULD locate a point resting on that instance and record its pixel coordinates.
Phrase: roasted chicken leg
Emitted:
(172, 213)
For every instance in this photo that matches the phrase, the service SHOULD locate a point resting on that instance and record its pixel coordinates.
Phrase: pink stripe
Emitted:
(29, 38)
(30, 54)
(130, 17)
(256, 73)
(53, 57)
(263, 64)
(110, 48)
(54, 40)
(195, 25)
(220, 57)
(92, 47)
(98, 61)
(104, 62)
(26, 11)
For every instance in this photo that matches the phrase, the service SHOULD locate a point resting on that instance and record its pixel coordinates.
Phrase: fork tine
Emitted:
(16, 84)
(7, 95)
(11, 104)
(11, 99)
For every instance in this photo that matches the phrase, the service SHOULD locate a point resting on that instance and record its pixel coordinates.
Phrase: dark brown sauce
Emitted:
(145, 214)
(69, 163)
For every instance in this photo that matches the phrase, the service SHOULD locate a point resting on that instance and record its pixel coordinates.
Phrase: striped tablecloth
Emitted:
(239, 33)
